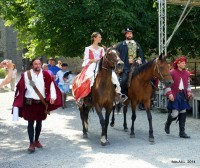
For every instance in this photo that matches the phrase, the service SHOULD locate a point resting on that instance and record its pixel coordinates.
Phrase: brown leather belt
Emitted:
(34, 101)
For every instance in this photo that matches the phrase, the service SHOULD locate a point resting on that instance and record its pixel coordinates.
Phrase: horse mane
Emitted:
(141, 68)
(100, 63)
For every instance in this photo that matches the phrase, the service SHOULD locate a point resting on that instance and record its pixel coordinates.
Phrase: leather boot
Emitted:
(182, 119)
(168, 123)
(133, 66)
(130, 77)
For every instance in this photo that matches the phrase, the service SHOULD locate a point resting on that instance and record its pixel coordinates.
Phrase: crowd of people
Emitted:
(45, 87)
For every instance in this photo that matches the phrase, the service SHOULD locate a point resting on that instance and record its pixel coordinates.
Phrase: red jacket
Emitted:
(176, 76)
(21, 90)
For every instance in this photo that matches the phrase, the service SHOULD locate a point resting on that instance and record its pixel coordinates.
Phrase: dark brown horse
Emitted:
(140, 90)
(102, 93)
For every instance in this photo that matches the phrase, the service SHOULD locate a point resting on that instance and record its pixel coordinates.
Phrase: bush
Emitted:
(2, 73)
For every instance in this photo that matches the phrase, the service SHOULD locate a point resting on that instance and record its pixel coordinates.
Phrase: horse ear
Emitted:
(108, 49)
(104, 47)
(114, 46)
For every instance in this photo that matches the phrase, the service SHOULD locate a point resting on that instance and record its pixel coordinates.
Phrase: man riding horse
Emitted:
(130, 52)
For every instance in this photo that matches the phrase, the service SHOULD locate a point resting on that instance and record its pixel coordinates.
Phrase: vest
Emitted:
(132, 50)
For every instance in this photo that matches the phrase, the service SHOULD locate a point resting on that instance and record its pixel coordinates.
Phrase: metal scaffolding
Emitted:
(163, 41)
(162, 19)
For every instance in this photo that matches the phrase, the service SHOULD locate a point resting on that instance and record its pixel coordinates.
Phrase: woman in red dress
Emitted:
(85, 80)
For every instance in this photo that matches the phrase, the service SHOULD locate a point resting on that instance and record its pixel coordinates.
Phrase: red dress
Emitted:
(81, 84)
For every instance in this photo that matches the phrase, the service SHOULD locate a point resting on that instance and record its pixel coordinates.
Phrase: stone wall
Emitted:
(8, 50)
(8, 45)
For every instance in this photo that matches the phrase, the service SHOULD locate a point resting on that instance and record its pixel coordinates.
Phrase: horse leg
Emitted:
(149, 116)
(102, 122)
(84, 117)
(106, 124)
(125, 123)
(133, 118)
(113, 117)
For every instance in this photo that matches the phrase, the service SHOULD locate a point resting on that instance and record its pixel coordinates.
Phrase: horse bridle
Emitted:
(158, 70)
(108, 61)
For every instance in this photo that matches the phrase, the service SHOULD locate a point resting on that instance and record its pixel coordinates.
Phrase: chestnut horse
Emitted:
(140, 90)
(102, 93)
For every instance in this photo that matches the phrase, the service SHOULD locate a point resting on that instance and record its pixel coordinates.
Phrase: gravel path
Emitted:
(64, 146)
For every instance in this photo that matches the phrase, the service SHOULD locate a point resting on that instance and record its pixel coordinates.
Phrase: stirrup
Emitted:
(123, 97)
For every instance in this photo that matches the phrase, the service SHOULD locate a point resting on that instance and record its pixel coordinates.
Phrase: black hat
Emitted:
(127, 30)
(64, 64)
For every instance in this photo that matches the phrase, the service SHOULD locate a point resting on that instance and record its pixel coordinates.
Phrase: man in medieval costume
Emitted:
(36, 95)
(179, 93)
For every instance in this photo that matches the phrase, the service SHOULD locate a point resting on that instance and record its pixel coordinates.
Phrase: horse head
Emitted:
(162, 70)
(112, 60)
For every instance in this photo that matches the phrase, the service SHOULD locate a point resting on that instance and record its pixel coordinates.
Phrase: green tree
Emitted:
(60, 27)
(63, 27)
(187, 38)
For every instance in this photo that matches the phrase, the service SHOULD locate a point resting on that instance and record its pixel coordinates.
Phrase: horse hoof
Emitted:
(132, 135)
(103, 141)
(85, 136)
(151, 139)
(112, 124)
(125, 129)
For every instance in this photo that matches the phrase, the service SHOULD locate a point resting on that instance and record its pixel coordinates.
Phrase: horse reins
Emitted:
(156, 66)
(107, 60)
(158, 69)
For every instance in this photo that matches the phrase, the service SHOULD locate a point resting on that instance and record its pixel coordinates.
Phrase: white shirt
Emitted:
(132, 41)
(39, 83)
(96, 54)
(60, 75)
(181, 86)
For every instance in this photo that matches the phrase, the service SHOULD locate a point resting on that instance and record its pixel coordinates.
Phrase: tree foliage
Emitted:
(187, 38)
(63, 27)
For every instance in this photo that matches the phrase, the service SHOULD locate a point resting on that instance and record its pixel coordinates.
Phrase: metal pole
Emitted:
(162, 19)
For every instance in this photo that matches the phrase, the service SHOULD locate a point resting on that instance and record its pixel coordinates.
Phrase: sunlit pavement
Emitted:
(64, 146)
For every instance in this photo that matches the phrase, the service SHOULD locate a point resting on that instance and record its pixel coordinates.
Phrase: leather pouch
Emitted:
(28, 102)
